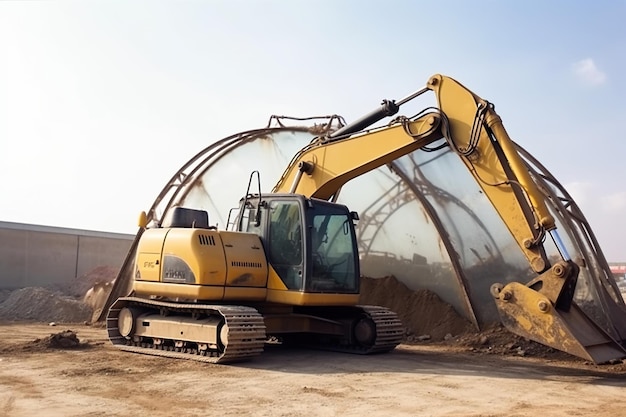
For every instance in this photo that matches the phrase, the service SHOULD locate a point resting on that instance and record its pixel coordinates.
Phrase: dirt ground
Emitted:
(426, 379)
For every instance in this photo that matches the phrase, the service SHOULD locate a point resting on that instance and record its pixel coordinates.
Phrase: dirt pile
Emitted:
(40, 304)
(63, 340)
(428, 319)
(66, 339)
(422, 312)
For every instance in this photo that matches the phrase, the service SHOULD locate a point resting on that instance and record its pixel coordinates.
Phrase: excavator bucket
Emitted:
(530, 314)
(543, 311)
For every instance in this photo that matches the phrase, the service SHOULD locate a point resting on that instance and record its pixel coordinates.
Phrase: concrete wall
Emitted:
(32, 255)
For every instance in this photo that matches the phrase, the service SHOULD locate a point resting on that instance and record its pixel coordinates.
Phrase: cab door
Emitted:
(285, 241)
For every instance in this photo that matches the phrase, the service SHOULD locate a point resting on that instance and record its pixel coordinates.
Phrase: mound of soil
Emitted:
(63, 340)
(40, 304)
(422, 312)
(428, 319)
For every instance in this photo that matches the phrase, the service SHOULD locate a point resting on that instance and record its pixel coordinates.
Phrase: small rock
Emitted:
(483, 340)
(448, 336)
(52, 323)
(423, 337)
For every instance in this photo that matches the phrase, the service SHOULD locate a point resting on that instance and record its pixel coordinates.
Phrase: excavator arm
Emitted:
(542, 309)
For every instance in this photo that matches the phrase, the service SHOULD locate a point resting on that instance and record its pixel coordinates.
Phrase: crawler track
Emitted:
(389, 332)
(246, 331)
(389, 329)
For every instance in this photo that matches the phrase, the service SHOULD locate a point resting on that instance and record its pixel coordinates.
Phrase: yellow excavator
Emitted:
(287, 265)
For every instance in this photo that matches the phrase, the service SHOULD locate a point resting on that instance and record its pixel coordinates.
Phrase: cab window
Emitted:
(285, 242)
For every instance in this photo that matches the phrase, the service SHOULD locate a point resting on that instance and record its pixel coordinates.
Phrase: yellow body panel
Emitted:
(247, 266)
(274, 282)
(149, 254)
(245, 293)
(150, 266)
(202, 250)
(297, 298)
(185, 291)
(218, 265)
(199, 292)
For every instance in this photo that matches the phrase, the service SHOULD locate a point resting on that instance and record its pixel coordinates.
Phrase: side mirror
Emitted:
(354, 215)
(143, 220)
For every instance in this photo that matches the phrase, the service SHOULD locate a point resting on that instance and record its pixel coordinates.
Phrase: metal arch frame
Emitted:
(182, 181)
(569, 211)
(581, 233)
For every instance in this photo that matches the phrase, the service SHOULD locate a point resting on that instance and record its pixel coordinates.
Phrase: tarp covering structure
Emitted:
(423, 219)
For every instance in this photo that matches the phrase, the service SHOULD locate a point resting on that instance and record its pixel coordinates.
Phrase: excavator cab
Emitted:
(311, 244)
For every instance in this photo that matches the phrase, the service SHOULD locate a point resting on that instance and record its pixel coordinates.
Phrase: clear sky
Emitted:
(102, 101)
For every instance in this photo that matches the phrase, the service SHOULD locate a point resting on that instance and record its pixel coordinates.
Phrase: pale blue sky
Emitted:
(102, 101)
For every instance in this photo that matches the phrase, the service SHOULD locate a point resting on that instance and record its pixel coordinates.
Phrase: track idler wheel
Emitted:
(126, 321)
(222, 336)
(364, 331)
